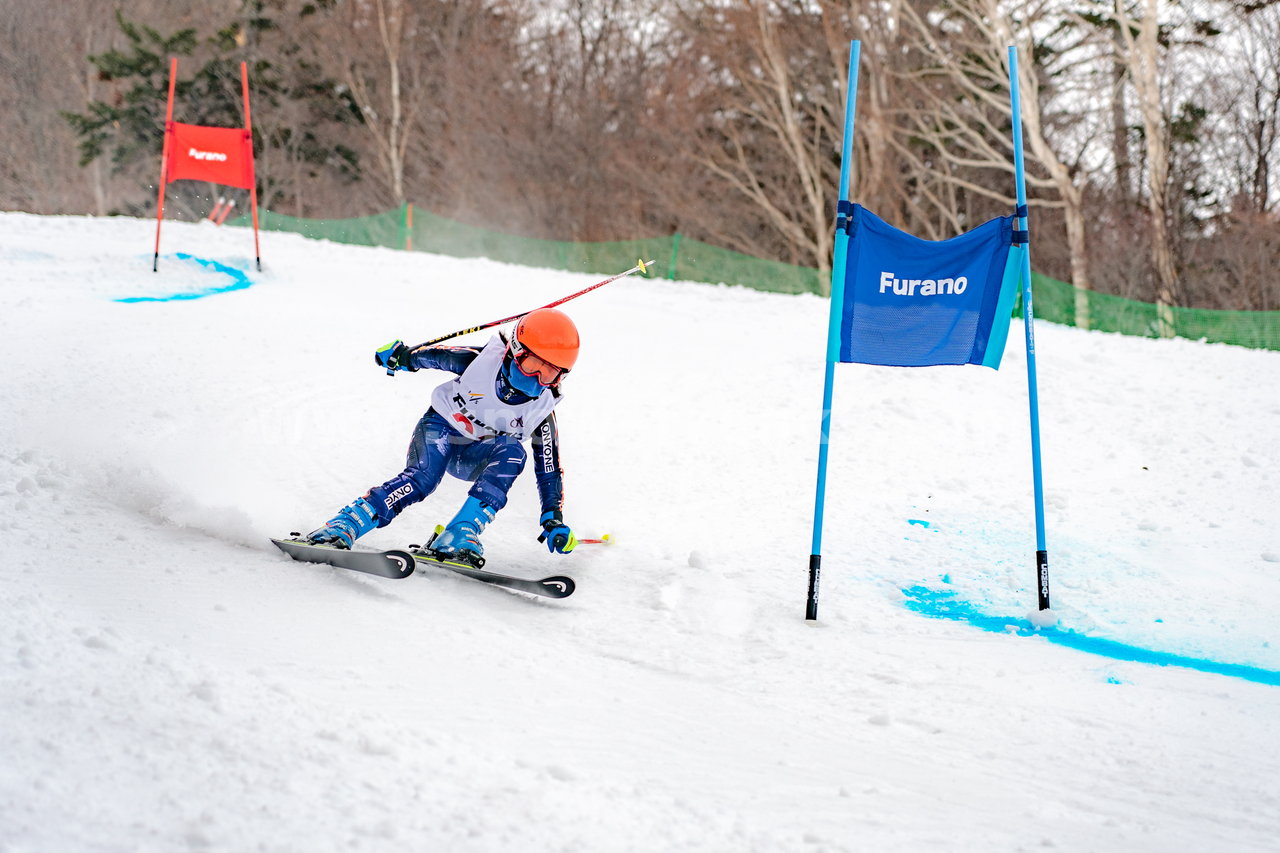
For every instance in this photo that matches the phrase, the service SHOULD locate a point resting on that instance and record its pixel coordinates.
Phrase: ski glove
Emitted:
(394, 356)
(556, 533)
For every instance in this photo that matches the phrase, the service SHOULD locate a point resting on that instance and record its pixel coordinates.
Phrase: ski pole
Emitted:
(641, 266)
(603, 540)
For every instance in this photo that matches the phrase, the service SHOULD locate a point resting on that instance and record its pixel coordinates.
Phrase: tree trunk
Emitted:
(388, 126)
(1143, 53)
(1120, 125)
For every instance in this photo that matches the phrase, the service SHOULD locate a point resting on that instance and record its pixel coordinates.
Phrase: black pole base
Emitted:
(155, 263)
(815, 571)
(1042, 578)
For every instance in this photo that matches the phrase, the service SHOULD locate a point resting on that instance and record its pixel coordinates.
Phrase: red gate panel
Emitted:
(223, 155)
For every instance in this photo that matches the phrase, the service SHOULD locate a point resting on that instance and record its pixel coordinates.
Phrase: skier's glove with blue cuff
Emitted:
(394, 356)
(556, 533)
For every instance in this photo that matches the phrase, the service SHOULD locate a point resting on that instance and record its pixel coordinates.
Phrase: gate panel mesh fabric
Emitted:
(910, 302)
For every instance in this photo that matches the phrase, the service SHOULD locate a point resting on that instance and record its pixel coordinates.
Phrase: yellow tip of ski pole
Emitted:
(644, 270)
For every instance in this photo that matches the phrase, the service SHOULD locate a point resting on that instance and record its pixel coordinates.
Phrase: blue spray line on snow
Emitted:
(943, 604)
(239, 281)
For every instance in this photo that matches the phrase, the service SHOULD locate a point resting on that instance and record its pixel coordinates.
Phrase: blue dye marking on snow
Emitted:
(943, 604)
(917, 521)
(239, 281)
(1111, 679)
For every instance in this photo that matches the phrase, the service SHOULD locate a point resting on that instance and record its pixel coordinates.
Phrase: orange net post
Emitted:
(164, 159)
(248, 142)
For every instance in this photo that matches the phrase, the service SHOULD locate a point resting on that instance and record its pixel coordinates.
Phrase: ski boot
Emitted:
(460, 539)
(352, 521)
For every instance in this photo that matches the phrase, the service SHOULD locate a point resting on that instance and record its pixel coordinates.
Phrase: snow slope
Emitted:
(168, 681)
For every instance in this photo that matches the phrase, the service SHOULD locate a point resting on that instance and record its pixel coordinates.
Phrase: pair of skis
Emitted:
(397, 564)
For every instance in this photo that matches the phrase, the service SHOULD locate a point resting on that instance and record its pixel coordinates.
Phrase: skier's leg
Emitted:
(494, 465)
(429, 450)
(347, 525)
(433, 443)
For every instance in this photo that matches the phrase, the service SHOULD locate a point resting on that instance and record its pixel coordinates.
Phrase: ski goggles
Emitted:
(531, 365)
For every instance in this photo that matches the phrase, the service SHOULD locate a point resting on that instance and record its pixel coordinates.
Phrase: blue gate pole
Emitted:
(833, 329)
(1042, 552)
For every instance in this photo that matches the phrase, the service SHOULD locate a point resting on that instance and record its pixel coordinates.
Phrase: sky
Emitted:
(170, 681)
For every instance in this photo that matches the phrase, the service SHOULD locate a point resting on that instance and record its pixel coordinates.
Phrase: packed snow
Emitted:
(170, 681)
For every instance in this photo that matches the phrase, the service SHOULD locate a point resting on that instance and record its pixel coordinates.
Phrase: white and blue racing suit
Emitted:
(474, 431)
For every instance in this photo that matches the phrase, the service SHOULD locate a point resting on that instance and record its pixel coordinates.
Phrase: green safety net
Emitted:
(677, 258)
(690, 260)
(1060, 302)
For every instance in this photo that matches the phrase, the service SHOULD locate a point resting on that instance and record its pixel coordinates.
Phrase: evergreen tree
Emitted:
(299, 114)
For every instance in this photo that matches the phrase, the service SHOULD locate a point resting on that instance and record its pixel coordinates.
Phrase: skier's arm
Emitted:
(546, 461)
(452, 359)
(397, 356)
(555, 533)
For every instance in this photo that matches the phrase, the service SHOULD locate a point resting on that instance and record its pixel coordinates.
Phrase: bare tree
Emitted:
(1250, 97)
(1143, 52)
(880, 176)
(588, 72)
(470, 55)
(38, 158)
(961, 110)
(771, 107)
(384, 79)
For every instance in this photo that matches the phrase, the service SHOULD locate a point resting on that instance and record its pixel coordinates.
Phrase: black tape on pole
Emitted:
(815, 571)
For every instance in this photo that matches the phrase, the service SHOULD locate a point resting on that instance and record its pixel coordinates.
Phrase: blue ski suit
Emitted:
(492, 464)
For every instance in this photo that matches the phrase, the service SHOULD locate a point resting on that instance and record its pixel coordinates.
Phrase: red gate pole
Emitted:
(164, 159)
(253, 177)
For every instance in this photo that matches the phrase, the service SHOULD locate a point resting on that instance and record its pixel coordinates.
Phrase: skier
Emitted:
(503, 393)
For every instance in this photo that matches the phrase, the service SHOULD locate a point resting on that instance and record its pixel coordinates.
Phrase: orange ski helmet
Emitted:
(550, 335)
